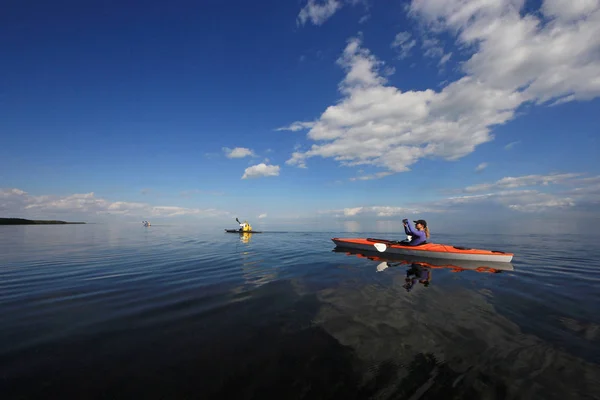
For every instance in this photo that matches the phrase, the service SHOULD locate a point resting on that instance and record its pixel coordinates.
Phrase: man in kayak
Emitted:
(245, 227)
(419, 234)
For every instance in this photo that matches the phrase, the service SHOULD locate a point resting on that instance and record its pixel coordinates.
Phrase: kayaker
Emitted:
(419, 234)
(245, 227)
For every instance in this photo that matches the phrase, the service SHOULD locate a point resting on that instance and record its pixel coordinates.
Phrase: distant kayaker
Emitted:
(245, 226)
(419, 234)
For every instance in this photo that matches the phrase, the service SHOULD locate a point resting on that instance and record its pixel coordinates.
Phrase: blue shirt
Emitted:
(418, 236)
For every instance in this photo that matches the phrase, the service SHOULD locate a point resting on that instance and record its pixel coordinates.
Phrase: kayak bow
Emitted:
(432, 250)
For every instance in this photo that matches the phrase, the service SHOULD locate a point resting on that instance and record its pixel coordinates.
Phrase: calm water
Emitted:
(95, 311)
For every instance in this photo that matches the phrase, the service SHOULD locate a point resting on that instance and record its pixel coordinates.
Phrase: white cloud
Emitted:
(317, 12)
(511, 145)
(8, 193)
(296, 126)
(382, 126)
(18, 202)
(521, 181)
(518, 200)
(238, 152)
(568, 10)
(481, 167)
(261, 169)
(543, 205)
(504, 193)
(433, 48)
(379, 211)
(369, 177)
(402, 44)
(513, 52)
(261, 216)
(445, 58)
(516, 59)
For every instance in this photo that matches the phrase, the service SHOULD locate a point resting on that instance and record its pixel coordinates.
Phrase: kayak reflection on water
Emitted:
(245, 237)
(390, 260)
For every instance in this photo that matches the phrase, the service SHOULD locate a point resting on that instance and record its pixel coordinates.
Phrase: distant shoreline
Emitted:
(22, 221)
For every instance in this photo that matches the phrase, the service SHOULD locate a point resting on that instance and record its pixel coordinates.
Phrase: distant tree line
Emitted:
(22, 221)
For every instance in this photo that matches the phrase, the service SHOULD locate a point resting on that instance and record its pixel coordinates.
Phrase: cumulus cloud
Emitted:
(403, 44)
(545, 192)
(534, 197)
(481, 167)
(261, 216)
(369, 177)
(516, 59)
(542, 193)
(520, 181)
(568, 10)
(432, 48)
(296, 126)
(544, 61)
(379, 211)
(18, 202)
(518, 200)
(543, 205)
(318, 12)
(238, 152)
(261, 169)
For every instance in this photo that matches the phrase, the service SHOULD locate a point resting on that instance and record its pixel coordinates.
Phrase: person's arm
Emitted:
(408, 229)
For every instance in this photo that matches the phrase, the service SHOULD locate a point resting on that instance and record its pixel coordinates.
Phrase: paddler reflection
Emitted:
(416, 273)
(245, 237)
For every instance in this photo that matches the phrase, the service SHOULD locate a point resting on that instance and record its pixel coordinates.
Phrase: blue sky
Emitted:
(300, 113)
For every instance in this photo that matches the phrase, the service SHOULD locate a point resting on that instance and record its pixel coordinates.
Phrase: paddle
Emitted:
(238, 221)
(385, 264)
(382, 265)
(380, 247)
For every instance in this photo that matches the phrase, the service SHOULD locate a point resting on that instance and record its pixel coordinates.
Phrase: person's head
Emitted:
(421, 225)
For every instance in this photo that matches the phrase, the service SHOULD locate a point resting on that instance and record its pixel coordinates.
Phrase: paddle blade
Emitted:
(382, 266)
(380, 247)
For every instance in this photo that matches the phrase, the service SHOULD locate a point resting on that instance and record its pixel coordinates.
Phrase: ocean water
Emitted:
(97, 311)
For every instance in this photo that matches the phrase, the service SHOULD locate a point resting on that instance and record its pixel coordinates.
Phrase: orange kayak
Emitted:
(431, 250)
